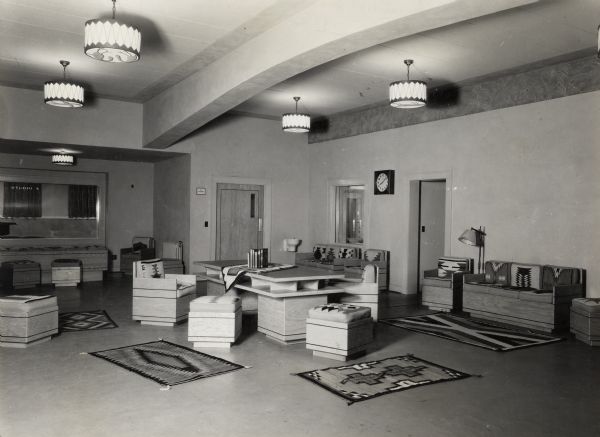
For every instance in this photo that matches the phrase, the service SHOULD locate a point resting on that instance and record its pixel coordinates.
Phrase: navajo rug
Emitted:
(362, 381)
(85, 321)
(471, 331)
(167, 363)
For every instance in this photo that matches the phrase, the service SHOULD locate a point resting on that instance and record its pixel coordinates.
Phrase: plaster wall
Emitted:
(172, 203)
(129, 199)
(249, 148)
(24, 116)
(527, 173)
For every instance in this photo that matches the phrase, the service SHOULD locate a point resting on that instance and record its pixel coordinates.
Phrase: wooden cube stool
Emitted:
(585, 320)
(20, 274)
(215, 321)
(338, 331)
(27, 320)
(66, 272)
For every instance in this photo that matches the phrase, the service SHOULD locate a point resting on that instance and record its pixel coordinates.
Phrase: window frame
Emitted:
(332, 185)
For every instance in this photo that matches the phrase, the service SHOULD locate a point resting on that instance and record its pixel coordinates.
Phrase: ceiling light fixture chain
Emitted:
(64, 64)
(114, 10)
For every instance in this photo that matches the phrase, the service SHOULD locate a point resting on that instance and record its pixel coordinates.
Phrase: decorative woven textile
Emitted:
(362, 381)
(85, 321)
(234, 274)
(471, 331)
(167, 363)
(448, 265)
(525, 276)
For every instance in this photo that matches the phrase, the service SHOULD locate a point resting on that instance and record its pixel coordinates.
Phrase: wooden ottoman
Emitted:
(27, 320)
(215, 321)
(585, 320)
(338, 331)
(66, 272)
(20, 274)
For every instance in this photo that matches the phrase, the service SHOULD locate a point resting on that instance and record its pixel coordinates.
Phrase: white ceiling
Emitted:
(180, 37)
(487, 46)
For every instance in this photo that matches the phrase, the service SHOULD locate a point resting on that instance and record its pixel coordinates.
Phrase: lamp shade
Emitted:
(63, 94)
(63, 159)
(472, 237)
(408, 94)
(110, 41)
(295, 122)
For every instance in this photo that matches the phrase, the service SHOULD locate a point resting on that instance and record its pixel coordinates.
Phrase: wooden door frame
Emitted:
(266, 183)
(411, 267)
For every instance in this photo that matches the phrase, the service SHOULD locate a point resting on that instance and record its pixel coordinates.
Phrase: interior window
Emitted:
(349, 214)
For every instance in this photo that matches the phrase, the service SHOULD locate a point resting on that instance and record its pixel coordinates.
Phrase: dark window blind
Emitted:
(22, 199)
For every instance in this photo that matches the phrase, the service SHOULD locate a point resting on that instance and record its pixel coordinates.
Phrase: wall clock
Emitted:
(384, 182)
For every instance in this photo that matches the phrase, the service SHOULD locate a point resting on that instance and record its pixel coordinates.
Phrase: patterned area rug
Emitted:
(167, 363)
(362, 381)
(471, 331)
(85, 321)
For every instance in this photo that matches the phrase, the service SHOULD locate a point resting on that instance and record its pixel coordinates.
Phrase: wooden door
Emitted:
(239, 220)
(432, 224)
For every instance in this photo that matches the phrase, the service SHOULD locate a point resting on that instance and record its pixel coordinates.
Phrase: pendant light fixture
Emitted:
(63, 93)
(110, 41)
(295, 122)
(408, 94)
(63, 159)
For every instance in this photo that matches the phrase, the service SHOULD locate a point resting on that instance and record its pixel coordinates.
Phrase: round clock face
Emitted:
(382, 182)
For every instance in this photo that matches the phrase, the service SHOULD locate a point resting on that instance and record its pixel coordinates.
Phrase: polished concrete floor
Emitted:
(55, 389)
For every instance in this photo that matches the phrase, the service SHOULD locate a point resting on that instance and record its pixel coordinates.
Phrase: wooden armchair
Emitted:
(442, 287)
(159, 298)
(364, 293)
(377, 257)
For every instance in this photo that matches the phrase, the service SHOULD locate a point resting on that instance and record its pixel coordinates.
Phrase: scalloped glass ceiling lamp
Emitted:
(408, 94)
(110, 41)
(296, 123)
(63, 159)
(63, 93)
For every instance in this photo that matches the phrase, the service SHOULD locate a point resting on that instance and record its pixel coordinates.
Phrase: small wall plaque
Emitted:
(200, 191)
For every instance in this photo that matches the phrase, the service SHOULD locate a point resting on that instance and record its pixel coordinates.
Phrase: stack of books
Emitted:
(258, 258)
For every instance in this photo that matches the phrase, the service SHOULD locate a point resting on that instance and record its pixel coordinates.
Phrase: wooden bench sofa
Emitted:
(526, 295)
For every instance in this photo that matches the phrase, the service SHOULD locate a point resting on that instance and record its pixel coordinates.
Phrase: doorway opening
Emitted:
(429, 227)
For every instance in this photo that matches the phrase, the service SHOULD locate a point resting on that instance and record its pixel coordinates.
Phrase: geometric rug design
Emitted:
(362, 381)
(167, 363)
(85, 321)
(471, 331)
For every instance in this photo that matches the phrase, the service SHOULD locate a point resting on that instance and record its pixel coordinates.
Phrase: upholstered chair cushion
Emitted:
(525, 275)
(555, 275)
(319, 253)
(448, 265)
(339, 312)
(346, 252)
(374, 255)
(150, 268)
(497, 272)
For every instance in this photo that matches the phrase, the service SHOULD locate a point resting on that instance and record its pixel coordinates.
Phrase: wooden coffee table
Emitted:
(284, 298)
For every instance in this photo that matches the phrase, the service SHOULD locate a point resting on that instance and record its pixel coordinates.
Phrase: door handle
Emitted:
(260, 224)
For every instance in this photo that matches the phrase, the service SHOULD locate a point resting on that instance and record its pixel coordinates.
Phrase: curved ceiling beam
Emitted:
(324, 31)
